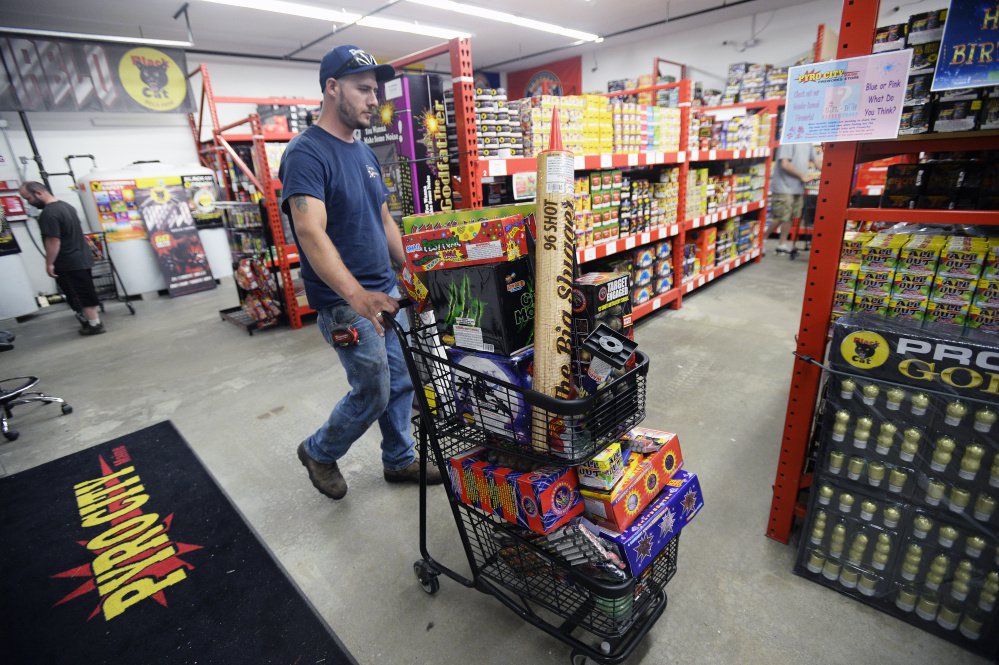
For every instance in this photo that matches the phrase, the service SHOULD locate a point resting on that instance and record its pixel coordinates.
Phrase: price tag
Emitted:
(606, 160)
(632, 159)
(497, 167)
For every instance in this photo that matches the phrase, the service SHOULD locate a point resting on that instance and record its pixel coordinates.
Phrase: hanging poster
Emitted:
(43, 74)
(564, 77)
(853, 99)
(163, 204)
(968, 57)
(116, 209)
(201, 199)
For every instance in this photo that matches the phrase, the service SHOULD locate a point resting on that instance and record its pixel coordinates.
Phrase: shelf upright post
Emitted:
(686, 96)
(855, 38)
(463, 82)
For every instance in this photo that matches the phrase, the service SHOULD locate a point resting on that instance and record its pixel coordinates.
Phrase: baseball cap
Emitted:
(347, 59)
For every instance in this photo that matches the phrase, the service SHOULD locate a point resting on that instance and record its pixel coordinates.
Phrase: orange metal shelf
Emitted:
(611, 247)
(660, 301)
(924, 216)
(720, 155)
(718, 271)
(725, 213)
(500, 166)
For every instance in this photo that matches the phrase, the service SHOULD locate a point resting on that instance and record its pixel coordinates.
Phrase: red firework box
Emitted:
(541, 500)
(643, 479)
(476, 243)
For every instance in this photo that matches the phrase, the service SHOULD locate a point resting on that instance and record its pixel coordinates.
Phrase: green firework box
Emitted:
(485, 307)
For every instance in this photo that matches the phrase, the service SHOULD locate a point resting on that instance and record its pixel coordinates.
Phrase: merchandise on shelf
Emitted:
(738, 133)
(904, 516)
(497, 123)
(491, 406)
(599, 298)
(738, 183)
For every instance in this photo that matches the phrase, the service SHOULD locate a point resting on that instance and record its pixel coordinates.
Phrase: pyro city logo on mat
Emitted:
(865, 349)
(130, 554)
(152, 78)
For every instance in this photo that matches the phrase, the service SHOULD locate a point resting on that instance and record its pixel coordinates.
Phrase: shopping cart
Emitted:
(107, 283)
(460, 409)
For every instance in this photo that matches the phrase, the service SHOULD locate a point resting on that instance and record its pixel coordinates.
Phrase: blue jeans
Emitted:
(380, 389)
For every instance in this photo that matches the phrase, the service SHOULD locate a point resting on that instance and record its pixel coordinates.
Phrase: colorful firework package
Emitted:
(677, 504)
(492, 406)
(539, 500)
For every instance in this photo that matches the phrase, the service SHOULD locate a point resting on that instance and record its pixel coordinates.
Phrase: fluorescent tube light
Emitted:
(100, 38)
(503, 17)
(341, 16)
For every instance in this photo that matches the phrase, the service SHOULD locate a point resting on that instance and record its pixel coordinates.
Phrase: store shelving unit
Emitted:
(214, 143)
(839, 159)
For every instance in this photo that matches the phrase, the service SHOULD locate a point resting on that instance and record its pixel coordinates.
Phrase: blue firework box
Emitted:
(661, 522)
(490, 406)
(539, 500)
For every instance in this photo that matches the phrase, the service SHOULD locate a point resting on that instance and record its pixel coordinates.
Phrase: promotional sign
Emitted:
(966, 58)
(564, 77)
(44, 74)
(162, 202)
(853, 99)
(119, 216)
(8, 243)
(201, 197)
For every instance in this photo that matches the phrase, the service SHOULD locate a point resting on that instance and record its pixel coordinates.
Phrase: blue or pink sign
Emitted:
(854, 99)
(969, 56)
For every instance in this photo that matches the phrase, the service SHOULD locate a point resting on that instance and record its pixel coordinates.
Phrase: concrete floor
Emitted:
(720, 372)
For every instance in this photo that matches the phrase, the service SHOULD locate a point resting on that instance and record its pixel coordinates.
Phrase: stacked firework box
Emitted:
(920, 277)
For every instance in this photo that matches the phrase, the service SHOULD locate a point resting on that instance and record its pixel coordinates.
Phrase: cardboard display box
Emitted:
(491, 406)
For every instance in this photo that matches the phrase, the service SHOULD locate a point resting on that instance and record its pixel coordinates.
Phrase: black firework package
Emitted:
(903, 514)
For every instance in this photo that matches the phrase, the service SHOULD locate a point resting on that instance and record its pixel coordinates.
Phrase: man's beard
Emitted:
(353, 123)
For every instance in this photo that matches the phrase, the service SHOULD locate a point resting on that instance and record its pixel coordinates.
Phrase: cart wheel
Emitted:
(427, 577)
(66, 409)
(605, 647)
(131, 310)
(11, 435)
(577, 658)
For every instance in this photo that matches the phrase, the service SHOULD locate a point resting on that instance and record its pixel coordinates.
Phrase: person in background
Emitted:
(68, 258)
(334, 194)
(787, 188)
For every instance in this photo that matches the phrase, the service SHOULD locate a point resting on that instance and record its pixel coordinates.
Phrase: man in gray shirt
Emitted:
(787, 188)
(68, 258)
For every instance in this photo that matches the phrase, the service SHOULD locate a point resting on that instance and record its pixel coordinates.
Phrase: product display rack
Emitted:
(859, 21)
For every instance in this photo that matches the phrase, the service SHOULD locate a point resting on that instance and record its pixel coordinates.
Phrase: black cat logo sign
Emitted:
(152, 78)
(865, 349)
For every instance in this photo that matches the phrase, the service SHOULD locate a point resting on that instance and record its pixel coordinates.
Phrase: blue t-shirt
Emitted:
(348, 179)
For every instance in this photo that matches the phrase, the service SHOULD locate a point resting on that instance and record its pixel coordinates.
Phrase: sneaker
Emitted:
(325, 477)
(783, 249)
(92, 330)
(411, 474)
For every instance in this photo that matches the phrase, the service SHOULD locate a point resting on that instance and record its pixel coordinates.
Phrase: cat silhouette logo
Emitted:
(865, 349)
(152, 78)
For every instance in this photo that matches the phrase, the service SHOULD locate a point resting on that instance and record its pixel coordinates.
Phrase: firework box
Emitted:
(987, 294)
(945, 311)
(406, 135)
(912, 285)
(940, 358)
(599, 297)
(843, 301)
(476, 243)
(540, 500)
(643, 479)
(875, 280)
(953, 289)
(963, 257)
(876, 303)
(664, 518)
(853, 245)
(485, 308)
(846, 276)
(439, 220)
(983, 318)
(882, 251)
(493, 407)
(921, 254)
(604, 470)
(907, 308)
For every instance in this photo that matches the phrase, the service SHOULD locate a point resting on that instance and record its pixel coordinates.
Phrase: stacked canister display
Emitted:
(903, 509)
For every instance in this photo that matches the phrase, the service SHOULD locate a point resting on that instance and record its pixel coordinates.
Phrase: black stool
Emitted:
(17, 390)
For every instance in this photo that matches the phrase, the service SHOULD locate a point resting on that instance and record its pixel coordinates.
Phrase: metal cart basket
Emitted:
(107, 283)
(461, 409)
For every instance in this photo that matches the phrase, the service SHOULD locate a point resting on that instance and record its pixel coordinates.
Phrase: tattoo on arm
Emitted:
(301, 205)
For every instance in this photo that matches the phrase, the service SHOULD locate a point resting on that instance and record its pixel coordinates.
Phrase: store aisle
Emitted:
(720, 372)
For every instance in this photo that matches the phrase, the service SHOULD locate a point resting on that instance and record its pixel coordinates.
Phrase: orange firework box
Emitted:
(643, 479)
(540, 500)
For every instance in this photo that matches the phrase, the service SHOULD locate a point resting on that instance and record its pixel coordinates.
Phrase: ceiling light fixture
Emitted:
(98, 38)
(341, 16)
(503, 17)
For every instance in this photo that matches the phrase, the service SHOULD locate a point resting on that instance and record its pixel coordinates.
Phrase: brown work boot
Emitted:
(411, 474)
(325, 477)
